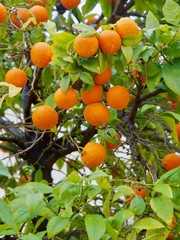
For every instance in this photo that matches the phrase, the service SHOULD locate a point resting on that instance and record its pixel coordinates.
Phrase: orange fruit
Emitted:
(92, 20)
(171, 161)
(3, 13)
(112, 146)
(102, 78)
(118, 97)
(66, 100)
(111, 1)
(173, 225)
(93, 154)
(86, 46)
(109, 41)
(17, 77)
(41, 54)
(174, 103)
(19, 17)
(70, 4)
(178, 130)
(44, 117)
(40, 13)
(139, 191)
(40, 2)
(126, 26)
(92, 96)
(96, 114)
(170, 236)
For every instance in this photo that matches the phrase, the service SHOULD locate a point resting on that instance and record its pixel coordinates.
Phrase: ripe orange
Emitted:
(70, 4)
(126, 26)
(86, 46)
(92, 20)
(109, 41)
(96, 114)
(178, 130)
(41, 54)
(44, 117)
(3, 13)
(135, 76)
(173, 225)
(40, 2)
(92, 96)
(93, 154)
(40, 13)
(174, 103)
(102, 78)
(110, 1)
(171, 161)
(66, 100)
(17, 77)
(139, 191)
(170, 236)
(112, 146)
(20, 16)
(118, 97)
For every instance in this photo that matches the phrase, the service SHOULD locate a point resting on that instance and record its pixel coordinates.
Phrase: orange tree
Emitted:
(53, 119)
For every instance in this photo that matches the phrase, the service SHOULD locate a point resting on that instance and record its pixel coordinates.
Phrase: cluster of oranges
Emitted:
(109, 41)
(96, 113)
(36, 14)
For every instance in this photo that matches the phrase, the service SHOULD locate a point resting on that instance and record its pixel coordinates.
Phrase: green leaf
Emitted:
(91, 64)
(132, 235)
(137, 205)
(171, 11)
(13, 90)
(171, 73)
(61, 43)
(66, 192)
(92, 191)
(74, 177)
(83, 27)
(95, 226)
(31, 237)
(148, 223)
(157, 234)
(5, 214)
(122, 191)
(111, 231)
(20, 210)
(172, 114)
(165, 189)
(50, 101)
(40, 187)
(106, 8)
(64, 83)
(171, 175)
(121, 216)
(131, 39)
(4, 171)
(50, 27)
(88, 6)
(33, 201)
(86, 78)
(128, 53)
(163, 207)
(152, 23)
(97, 174)
(106, 205)
(56, 225)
